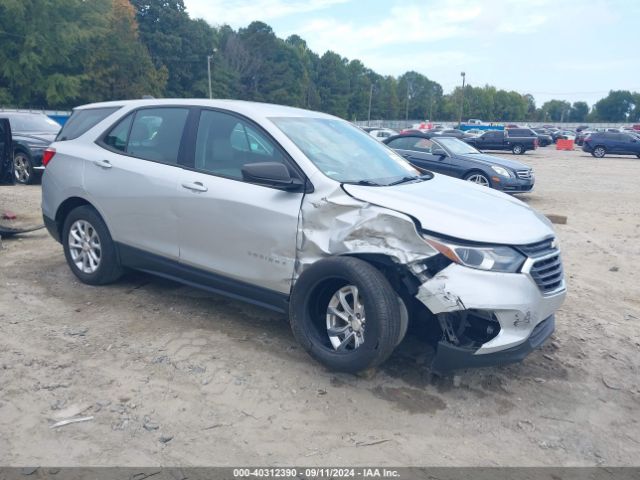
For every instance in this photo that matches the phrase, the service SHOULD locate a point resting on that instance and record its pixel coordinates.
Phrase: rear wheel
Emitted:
(518, 149)
(345, 314)
(478, 178)
(22, 168)
(599, 151)
(88, 247)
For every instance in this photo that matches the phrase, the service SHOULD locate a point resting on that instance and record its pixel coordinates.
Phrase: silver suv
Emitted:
(302, 213)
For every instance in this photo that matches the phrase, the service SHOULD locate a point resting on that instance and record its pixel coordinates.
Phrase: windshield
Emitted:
(343, 152)
(457, 147)
(33, 123)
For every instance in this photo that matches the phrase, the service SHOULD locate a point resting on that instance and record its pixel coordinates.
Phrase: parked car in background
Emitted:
(474, 121)
(544, 138)
(32, 133)
(473, 132)
(600, 144)
(564, 135)
(582, 128)
(510, 139)
(308, 216)
(452, 132)
(382, 133)
(450, 156)
(580, 136)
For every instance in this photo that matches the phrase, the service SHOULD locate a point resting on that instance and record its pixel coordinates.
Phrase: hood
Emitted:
(46, 137)
(460, 209)
(491, 160)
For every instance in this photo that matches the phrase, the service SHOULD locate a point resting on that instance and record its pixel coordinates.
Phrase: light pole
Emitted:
(462, 74)
(370, 97)
(406, 111)
(209, 57)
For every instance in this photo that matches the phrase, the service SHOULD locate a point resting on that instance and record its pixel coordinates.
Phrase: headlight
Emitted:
(497, 258)
(500, 171)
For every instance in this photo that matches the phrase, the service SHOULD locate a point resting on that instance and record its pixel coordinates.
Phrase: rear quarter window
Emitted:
(83, 120)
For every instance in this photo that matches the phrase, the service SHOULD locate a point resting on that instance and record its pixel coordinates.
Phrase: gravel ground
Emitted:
(170, 375)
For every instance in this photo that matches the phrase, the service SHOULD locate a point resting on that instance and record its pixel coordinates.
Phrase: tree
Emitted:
(120, 66)
(615, 107)
(44, 44)
(579, 112)
(333, 84)
(177, 43)
(555, 111)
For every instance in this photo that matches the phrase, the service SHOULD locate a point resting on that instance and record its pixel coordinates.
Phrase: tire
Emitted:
(599, 151)
(23, 168)
(309, 312)
(84, 224)
(518, 149)
(479, 178)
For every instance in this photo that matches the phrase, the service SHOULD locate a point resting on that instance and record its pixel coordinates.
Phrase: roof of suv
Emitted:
(241, 106)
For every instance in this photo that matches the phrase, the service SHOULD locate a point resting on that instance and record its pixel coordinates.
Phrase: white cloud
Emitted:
(239, 13)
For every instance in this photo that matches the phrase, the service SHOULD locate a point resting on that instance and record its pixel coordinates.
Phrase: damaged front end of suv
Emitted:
(493, 303)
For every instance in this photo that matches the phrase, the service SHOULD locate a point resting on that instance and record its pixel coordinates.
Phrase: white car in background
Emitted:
(382, 133)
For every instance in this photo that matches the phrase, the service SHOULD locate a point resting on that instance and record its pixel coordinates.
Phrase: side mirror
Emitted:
(272, 174)
(438, 152)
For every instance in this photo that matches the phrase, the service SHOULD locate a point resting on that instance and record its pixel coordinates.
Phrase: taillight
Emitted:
(47, 155)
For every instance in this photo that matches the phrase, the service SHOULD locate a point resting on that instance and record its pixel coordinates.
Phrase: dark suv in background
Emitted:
(32, 132)
(599, 144)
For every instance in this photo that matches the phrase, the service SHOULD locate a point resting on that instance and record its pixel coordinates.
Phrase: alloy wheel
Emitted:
(85, 246)
(479, 179)
(346, 319)
(21, 168)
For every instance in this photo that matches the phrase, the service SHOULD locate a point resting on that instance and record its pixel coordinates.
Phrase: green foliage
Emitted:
(616, 106)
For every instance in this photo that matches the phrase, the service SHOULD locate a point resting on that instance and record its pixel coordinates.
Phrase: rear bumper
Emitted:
(449, 357)
(52, 228)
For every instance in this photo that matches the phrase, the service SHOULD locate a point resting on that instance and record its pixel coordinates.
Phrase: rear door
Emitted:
(243, 235)
(134, 179)
(417, 150)
(6, 153)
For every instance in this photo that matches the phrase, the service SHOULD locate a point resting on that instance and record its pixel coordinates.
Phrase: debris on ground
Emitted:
(69, 421)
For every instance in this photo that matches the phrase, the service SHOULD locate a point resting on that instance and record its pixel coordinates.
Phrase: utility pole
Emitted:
(406, 110)
(370, 97)
(209, 57)
(462, 74)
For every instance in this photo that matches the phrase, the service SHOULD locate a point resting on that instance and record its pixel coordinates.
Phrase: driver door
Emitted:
(6, 153)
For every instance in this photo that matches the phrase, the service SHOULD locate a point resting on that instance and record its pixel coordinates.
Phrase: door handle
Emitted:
(103, 163)
(195, 186)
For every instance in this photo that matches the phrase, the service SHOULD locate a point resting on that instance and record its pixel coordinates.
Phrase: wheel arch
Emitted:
(66, 207)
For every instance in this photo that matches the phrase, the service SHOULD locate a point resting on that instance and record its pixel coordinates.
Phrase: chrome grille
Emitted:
(524, 174)
(545, 265)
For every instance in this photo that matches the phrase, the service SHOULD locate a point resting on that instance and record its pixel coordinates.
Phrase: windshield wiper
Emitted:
(426, 176)
(369, 183)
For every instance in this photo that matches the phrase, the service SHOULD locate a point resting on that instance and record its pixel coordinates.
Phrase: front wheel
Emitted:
(345, 314)
(88, 247)
(518, 149)
(599, 152)
(478, 178)
(22, 168)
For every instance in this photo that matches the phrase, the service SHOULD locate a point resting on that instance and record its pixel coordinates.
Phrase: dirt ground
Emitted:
(175, 376)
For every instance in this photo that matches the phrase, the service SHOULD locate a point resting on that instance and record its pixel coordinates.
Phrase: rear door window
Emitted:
(82, 121)
(156, 134)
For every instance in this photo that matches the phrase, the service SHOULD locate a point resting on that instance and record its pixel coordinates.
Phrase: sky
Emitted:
(565, 49)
